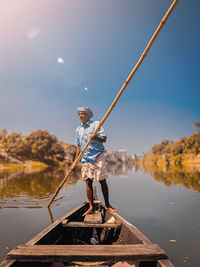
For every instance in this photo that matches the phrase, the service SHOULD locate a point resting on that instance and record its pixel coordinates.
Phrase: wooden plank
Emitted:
(65, 223)
(7, 263)
(65, 253)
(164, 263)
(93, 218)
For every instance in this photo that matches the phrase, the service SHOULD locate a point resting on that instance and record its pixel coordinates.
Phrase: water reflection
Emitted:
(177, 175)
(37, 186)
(121, 169)
(50, 215)
(137, 198)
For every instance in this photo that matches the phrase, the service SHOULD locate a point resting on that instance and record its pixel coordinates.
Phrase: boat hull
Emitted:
(70, 241)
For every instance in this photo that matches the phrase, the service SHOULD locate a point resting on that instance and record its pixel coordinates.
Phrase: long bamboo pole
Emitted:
(163, 21)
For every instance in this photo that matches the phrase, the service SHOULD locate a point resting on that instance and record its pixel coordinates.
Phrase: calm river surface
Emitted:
(164, 205)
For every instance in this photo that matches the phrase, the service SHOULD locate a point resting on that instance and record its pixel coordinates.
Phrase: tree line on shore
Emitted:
(38, 145)
(44, 147)
(175, 151)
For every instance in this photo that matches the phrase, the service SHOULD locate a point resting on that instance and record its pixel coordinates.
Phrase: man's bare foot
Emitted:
(110, 208)
(89, 211)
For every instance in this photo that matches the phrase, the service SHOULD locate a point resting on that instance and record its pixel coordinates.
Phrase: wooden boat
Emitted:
(101, 239)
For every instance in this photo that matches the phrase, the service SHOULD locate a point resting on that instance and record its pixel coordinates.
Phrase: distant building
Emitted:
(116, 156)
(122, 154)
(133, 157)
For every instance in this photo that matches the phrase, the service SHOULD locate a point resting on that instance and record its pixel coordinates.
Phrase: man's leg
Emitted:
(104, 188)
(89, 192)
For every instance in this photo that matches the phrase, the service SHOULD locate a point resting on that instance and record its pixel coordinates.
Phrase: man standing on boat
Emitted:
(93, 160)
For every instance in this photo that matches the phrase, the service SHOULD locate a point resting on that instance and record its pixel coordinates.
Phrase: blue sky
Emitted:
(100, 41)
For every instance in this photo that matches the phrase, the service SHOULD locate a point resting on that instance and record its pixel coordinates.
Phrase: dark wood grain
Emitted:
(86, 225)
(50, 253)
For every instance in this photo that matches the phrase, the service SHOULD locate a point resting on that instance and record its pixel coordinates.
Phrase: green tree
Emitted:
(161, 148)
(193, 144)
(14, 143)
(42, 146)
(176, 148)
(3, 137)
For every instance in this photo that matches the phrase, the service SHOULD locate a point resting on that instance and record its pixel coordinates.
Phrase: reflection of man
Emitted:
(93, 160)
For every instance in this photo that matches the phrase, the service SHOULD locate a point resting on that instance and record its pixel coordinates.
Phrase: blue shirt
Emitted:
(83, 133)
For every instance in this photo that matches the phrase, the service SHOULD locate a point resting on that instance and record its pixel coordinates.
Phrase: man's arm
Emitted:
(100, 136)
(101, 139)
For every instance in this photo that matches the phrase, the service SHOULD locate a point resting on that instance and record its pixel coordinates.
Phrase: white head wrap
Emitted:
(87, 110)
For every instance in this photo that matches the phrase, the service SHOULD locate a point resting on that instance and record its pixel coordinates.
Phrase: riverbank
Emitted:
(184, 152)
(170, 160)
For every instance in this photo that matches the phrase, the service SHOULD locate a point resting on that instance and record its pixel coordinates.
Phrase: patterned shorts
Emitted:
(96, 171)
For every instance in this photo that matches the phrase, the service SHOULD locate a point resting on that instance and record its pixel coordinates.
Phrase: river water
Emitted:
(163, 204)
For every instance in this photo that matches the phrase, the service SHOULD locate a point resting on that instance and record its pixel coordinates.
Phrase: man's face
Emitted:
(84, 117)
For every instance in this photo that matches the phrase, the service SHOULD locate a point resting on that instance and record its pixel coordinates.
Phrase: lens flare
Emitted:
(86, 89)
(60, 60)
